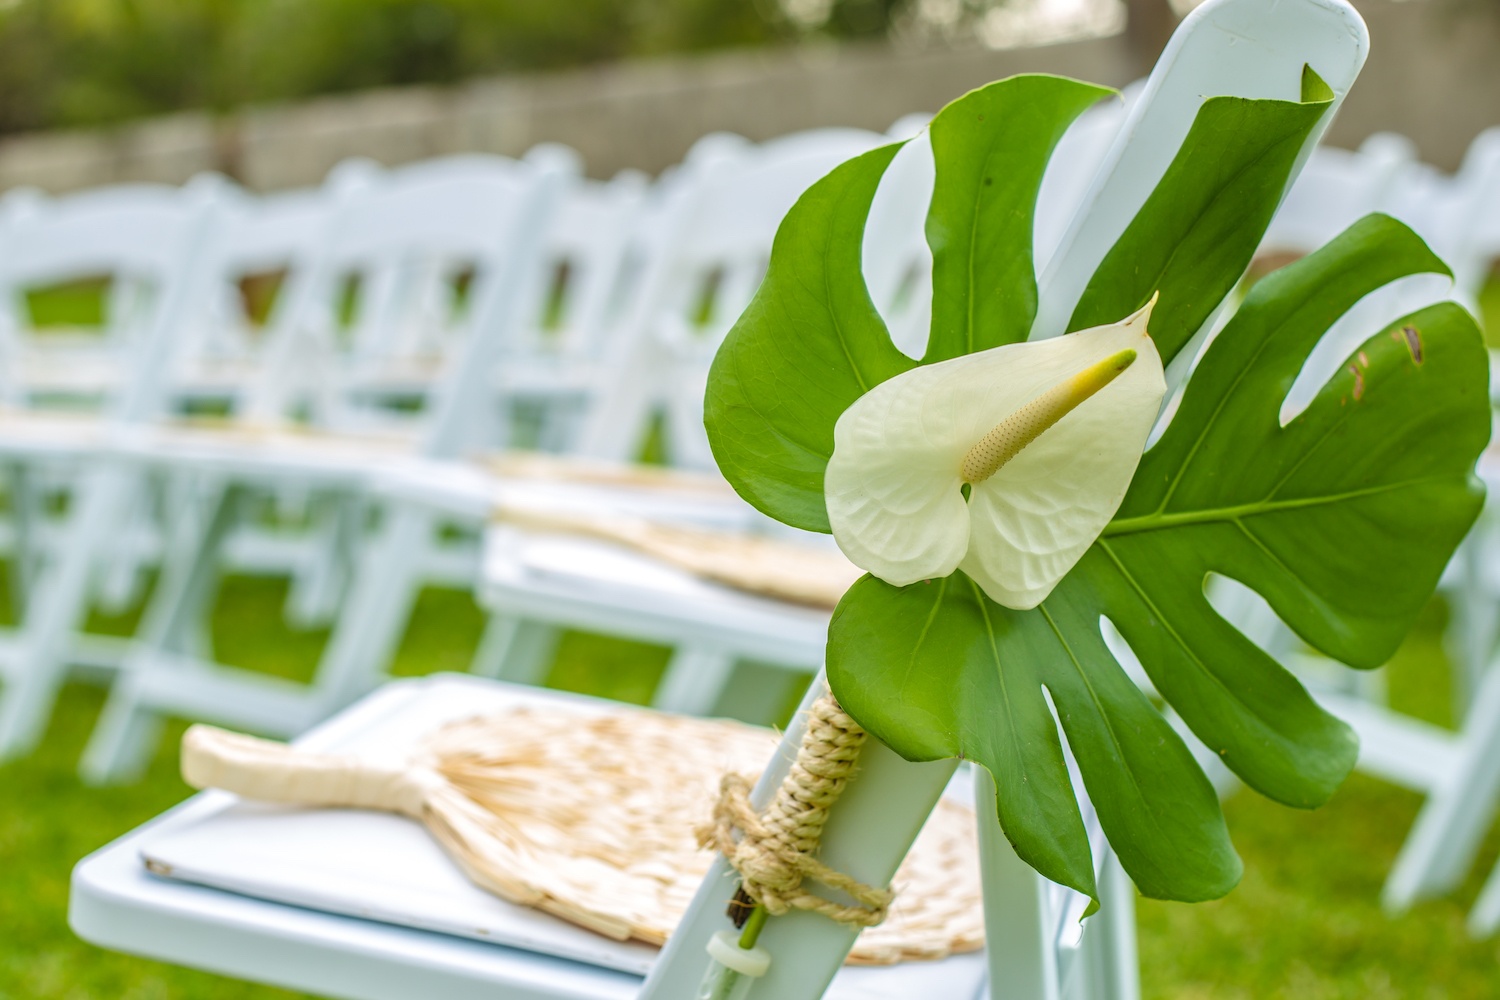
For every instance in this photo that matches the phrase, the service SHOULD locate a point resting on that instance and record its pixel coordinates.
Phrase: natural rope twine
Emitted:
(774, 852)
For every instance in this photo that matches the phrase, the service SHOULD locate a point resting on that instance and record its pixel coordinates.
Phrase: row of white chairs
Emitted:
(472, 290)
(566, 292)
(1037, 945)
(484, 288)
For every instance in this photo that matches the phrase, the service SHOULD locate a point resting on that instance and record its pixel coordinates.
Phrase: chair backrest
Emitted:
(586, 274)
(399, 284)
(141, 240)
(1212, 48)
(706, 245)
(256, 253)
(1474, 247)
(519, 201)
(722, 242)
(1242, 47)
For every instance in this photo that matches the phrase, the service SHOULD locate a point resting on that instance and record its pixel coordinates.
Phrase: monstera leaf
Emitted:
(1342, 519)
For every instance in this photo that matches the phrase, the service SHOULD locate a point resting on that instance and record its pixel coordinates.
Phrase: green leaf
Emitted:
(1314, 88)
(811, 341)
(990, 148)
(938, 670)
(1343, 520)
(1194, 237)
(809, 344)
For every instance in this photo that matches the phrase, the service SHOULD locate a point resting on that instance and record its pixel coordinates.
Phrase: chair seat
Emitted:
(310, 454)
(594, 585)
(472, 490)
(271, 894)
(39, 435)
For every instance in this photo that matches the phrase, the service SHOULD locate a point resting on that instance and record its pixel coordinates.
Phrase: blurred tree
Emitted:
(77, 62)
(1148, 25)
(87, 62)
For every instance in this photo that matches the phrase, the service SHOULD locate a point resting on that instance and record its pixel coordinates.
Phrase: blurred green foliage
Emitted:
(90, 62)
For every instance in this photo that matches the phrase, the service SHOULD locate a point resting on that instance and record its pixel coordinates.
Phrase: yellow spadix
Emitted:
(1027, 424)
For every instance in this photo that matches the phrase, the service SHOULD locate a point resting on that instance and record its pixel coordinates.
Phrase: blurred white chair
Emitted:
(709, 244)
(1336, 189)
(54, 241)
(1461, 804)
(494, 224)
(558, 363)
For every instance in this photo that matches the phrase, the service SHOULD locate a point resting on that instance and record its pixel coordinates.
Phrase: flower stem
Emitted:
(753, 926)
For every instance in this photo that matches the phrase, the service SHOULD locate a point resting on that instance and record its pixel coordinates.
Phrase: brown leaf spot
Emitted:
(1409, 336)
(1364, 360)
(1359, 382)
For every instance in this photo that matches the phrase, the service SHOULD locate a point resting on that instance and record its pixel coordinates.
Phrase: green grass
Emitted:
(1304, 923)
(75, 304)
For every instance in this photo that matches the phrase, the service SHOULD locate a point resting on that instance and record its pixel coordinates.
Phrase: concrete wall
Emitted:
(1431, 77)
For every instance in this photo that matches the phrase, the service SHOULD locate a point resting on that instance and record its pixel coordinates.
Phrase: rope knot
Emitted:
(773, 853)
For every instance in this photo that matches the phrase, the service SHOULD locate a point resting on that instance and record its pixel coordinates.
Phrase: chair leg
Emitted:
(1484, 919)
(55, 611)
(517, 650)
(1018, 919)
(321, 578)
(375, 615)
(26, 522)
(1114, 971)
(1441, 846)
(1474, 621)
(694, 680)
(125, 737)
(25, 707)
(123, 574)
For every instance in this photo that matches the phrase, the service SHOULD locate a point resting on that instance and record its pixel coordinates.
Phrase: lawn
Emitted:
(1304, 923)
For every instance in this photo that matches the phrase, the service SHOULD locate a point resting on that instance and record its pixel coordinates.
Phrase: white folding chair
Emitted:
(77, 366)
(146, 241)
(495, 225)
(1464, 790)
(706, 246)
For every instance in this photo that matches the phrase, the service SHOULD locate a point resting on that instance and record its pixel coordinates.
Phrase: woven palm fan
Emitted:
(772, 567)
(591, 817)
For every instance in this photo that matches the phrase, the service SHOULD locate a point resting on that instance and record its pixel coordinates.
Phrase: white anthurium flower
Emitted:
(1046, 435)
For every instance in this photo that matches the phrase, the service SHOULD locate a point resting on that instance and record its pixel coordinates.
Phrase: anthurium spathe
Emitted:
(1045, 436)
